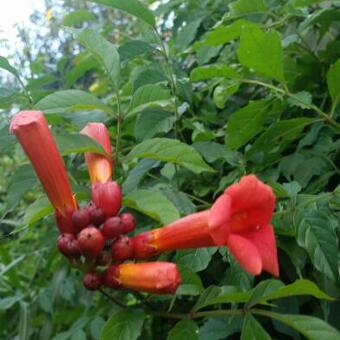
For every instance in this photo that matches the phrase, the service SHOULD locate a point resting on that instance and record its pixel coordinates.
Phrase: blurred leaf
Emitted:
(309, 326)
(302, 99)
(170, 150)
(126, 324)
(24, 325)
(132, 7)
(78, 17)
(184, 329)
(133, 49)
(333, 82)
(36, 211)
(212, 71)
(5, 65)
(218, 328)
(244, 7)
(152, 122)
(187, 34)
(252, 329)
(8, 302)
(152, 204)
(262, 52)
(191, 283)
(105, 52)
(70, 100)
(195, 259)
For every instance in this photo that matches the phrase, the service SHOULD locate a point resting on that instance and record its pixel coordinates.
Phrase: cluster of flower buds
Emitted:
(95, 235)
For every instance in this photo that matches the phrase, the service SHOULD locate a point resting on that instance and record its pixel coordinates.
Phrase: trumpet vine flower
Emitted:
(35, 137)
(152, 277)
(240, 219)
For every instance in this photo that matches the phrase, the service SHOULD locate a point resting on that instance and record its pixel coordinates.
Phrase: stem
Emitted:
(286, 92)
(119, 126)
(171, 79)
(113, 299)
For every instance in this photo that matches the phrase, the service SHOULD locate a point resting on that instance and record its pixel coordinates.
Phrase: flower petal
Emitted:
(100, 167)
(245, 253)
(264, 240)
(219, 220)
(252, 204)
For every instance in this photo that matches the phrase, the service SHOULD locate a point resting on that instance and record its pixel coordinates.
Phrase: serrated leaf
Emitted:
(333, 82)
(132, 7)
(252, 329)
(184, 329)
(246, 123)
(70, 100)
(316, 235)
(212, 71)
(309, 326)
(172, 151)
(104, 51)
(195, 259)
(153, 204)
(262, 52)
(126, 324)
(153, 122)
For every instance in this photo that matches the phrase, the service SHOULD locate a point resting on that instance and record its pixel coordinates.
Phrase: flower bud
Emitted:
(92, 280)
(122, 248)
(108, 197)
(80, 219)
(112, 228)
(97, 216)
(128, 222)
(91, 242)
(68, 246)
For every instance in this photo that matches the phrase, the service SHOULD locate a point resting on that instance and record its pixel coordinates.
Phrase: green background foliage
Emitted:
(195, 95)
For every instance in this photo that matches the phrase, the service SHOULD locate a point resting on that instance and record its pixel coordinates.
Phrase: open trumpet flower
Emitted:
(35, 137)
(151, 277)
(106, 194)
(240, 219)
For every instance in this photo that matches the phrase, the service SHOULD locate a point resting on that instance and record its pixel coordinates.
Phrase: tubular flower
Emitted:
(240, 218)
(252, 239)
(35, 137)
(151, 277)
(100, 166)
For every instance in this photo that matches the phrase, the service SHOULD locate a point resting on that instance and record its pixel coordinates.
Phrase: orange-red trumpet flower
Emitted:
(151, 277)
(240, 218)
(35, 137)
(100, 166)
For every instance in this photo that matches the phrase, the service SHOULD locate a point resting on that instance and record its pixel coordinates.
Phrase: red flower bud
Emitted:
(122, 248)
(112, 228)
(91, 242)
(108, 197)
(110, 277)
(68, 246)
(128, 222)
(97, 216)
(80, 219)
(92, 281)
(104, 258)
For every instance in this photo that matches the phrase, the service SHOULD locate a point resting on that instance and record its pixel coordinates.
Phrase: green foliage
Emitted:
(208, 92)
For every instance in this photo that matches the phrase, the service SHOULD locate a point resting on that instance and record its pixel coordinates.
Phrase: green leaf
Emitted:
(152, 122)
(245, 7)
(153, 204)
(133, 49)
(316, 234)
(195, 259)
(22, 180)
(70, 100)
(262, 52)
(252, 329)
(137, 173)
(8, 302)
(191, 283)
(172, 151)
(132, 7)
(220, 328)
(301, 99)
(126, 324)
(77, 143)
(333, 82)
(24, 324)
(246, 123)
(78, 17)
(224, 91)
(309, 326)
(280, 134)
(187, 34)
(212, 71)
(184, 329)
(299, 287)
(5, 65)
(105, 52)
(148, 95)
(36, 211)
